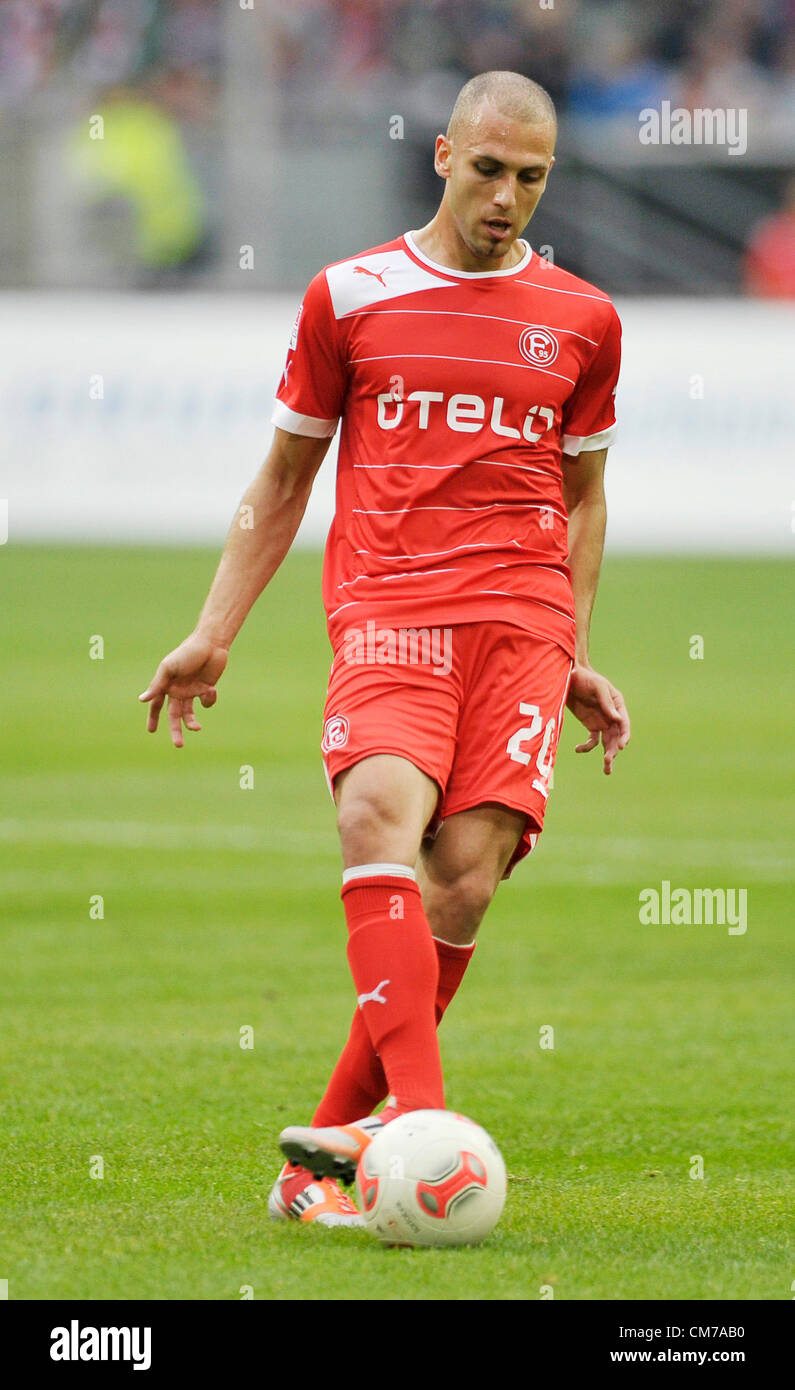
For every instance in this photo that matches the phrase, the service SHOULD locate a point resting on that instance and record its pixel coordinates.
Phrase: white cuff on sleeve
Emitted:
(576, 443)
(286, 419)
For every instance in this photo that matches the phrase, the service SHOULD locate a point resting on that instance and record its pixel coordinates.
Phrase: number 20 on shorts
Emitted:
(526, 735)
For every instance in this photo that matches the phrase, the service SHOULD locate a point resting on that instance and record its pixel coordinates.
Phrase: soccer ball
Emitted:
(431, 1177)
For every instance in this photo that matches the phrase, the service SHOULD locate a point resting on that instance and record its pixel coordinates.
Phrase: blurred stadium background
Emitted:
(150, 276)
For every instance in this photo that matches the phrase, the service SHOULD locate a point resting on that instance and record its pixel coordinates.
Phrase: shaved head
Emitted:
(512, 94)
(495, 159)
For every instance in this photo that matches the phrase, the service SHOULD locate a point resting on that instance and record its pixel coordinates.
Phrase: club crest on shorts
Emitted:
(539, 346)
(335, 733)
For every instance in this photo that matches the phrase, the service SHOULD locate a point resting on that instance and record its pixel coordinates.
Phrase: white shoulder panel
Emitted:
(366, 280)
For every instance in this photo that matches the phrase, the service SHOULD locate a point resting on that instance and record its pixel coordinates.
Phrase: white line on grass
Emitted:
(589, 859)
(145, 835)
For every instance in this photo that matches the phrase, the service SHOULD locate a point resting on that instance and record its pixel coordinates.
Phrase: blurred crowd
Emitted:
(164, 63)
(91, 44)
(596, 57)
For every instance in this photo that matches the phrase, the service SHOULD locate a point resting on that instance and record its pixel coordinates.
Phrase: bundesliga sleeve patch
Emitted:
(294, 333)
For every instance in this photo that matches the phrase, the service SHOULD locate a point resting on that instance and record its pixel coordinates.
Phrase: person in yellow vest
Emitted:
(131, 149)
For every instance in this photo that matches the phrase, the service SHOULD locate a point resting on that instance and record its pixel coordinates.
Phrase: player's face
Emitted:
(496, 170)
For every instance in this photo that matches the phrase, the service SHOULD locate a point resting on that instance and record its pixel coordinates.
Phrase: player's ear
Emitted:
(441, 157)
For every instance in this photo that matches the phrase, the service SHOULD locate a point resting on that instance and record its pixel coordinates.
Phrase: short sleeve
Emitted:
(310, 394)
(589, 415)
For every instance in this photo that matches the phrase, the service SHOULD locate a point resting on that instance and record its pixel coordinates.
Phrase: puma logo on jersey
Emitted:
(376, 274)
(375, 997)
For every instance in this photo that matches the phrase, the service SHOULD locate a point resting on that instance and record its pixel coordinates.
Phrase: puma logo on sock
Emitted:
(375, 997)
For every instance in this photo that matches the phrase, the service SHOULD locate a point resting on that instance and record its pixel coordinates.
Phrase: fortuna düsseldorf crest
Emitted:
(335, 733)
(539, 346)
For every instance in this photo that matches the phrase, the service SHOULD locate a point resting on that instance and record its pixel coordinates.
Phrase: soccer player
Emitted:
(475, 383)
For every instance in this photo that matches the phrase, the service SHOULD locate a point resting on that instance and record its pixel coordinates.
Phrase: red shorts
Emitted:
(476, 706)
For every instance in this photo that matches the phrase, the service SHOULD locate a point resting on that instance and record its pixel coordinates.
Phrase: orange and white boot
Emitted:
(332, 1151)
(299, 1196)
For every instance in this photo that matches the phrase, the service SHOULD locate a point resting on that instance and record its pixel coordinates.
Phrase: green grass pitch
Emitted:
(121, 1034)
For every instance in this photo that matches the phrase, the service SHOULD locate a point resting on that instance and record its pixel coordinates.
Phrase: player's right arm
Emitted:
(259, 538)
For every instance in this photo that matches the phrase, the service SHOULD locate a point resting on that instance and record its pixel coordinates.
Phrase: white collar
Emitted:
(408, 237)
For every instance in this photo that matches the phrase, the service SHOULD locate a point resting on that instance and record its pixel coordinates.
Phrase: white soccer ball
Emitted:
(431, 1177)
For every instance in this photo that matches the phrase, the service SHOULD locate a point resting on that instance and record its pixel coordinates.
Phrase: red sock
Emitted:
(453, 961)
(396, 972)
(358, 1083)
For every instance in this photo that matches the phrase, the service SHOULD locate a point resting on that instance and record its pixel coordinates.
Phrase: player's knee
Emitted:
(462, 898)
(369, 824)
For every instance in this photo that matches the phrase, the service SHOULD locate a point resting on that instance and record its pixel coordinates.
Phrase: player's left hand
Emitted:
(600, 707)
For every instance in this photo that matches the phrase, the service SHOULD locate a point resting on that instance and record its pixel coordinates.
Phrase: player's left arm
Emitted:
(592, 698)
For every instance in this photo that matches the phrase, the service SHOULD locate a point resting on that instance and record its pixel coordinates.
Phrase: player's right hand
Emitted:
(187, 673)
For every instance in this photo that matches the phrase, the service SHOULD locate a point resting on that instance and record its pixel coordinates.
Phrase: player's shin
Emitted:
(395, 968)
(453, 962)
(358, 1083)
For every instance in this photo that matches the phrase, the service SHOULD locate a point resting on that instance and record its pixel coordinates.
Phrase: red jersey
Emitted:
(458, 393)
